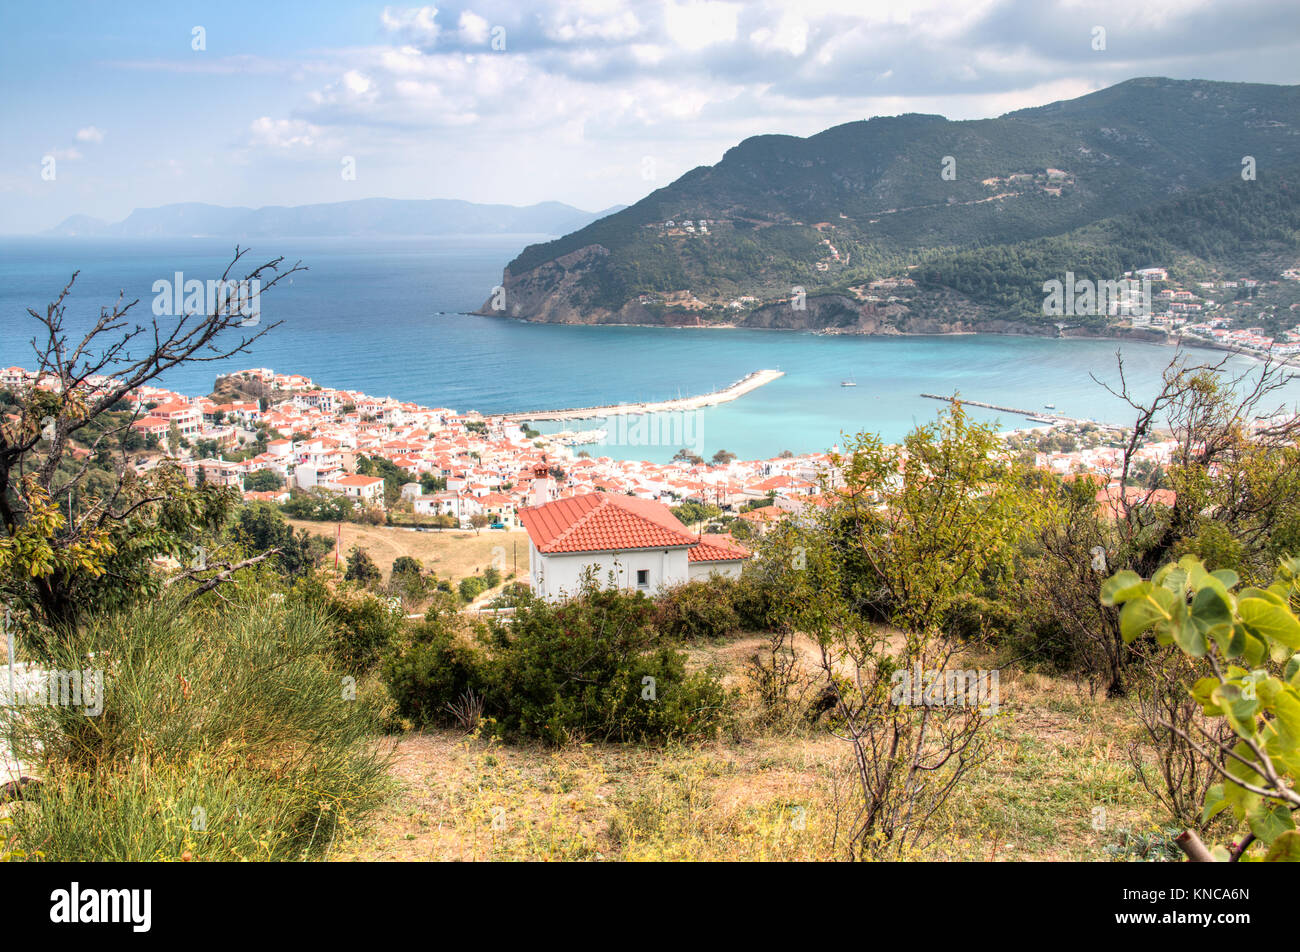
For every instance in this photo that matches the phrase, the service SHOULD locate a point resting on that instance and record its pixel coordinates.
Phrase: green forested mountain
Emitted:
(978, 213)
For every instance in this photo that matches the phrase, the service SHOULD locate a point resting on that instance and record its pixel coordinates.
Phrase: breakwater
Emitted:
(738, 389)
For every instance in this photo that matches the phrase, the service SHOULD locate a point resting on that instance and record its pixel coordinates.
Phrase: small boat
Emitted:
(1050, 406)
(847, 383)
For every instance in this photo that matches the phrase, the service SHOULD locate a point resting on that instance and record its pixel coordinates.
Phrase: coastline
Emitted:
(1132, 335)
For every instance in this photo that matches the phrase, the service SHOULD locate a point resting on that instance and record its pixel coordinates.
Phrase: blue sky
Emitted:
(592, 102)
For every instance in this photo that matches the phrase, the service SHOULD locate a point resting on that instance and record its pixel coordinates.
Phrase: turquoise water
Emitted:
(383, 316)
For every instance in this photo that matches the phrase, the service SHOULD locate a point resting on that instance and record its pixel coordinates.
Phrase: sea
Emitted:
(389, 317)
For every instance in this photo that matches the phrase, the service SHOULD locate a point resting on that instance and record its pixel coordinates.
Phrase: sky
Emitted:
(111, 106)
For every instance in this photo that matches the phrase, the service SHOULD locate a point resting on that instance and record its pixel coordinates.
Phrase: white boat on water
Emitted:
(1050, 406)
(847, 383)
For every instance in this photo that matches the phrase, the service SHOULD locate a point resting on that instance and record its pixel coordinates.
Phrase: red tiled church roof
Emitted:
(603, 522)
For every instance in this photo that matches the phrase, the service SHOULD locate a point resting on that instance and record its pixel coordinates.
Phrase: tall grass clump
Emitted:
(226, 733)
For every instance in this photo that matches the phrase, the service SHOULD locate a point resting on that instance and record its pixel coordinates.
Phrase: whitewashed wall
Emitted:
(726, 569)
(556, 576)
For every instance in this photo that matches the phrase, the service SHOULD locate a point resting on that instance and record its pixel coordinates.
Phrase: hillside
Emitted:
(362, 218)
(727, 801)
(1116, 177)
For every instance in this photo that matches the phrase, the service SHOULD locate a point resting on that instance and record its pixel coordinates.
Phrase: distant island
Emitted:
(367, 217)
(919, 225)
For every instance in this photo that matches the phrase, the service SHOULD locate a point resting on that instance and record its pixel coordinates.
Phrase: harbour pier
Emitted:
(744, 385)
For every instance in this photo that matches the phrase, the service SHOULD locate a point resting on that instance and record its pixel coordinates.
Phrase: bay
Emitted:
(387, 316)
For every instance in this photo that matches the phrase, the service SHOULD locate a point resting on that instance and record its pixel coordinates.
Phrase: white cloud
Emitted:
(587, 89)
(473, 28)
(356, 83)
(418, 23)
(354, 91)
(790, 35)
(684, 79)
(697, 24)
(573, 21)
(648, 54)
(283, 135)
(90, 134)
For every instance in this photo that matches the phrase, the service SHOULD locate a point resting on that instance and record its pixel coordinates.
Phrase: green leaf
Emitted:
(1270, 621)
(1190, 637)
(1203, 690)
(1268, 823)
(1120, 587)
(1211, 610)
(1240, 712)
(1140, 614)
(1194, 571)
(1254, 650)
(1265, 594)
(1278, 652)
(1285, 849)
(1242, 800)
(1215, 803)
(1227, 577)
(1286, 716)
(1291, 674)
(1172, 578)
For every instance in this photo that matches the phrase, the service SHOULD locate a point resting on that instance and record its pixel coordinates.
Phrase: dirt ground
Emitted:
(452, 554)
(1058, 784)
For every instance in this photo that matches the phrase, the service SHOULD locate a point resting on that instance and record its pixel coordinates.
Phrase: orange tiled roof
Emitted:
(763, 514)
(359, 480)
(717, 547)
(266, 495)
(1135, 495)
(603, 522)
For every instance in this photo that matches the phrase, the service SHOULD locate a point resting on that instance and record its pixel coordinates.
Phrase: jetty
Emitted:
(1036, 416)
(744, 385)
(1032, 414)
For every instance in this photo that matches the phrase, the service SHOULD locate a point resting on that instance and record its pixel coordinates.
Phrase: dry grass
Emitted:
(1058, 755)
(451, 553)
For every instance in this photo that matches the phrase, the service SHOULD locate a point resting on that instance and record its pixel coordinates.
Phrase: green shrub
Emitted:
(408, 581)
(361, 567)
(430, 671)
(406, 565)
(752, 600)
(592, 667)
(226, 733)
(362, 624)
(579, 669)
(471, 588)
(971, 617)
(699, 609)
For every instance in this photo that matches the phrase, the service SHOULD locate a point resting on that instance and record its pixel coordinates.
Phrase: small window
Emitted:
(642, 578)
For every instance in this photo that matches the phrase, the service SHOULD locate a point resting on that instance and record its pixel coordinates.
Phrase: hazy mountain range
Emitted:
(369, 217)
